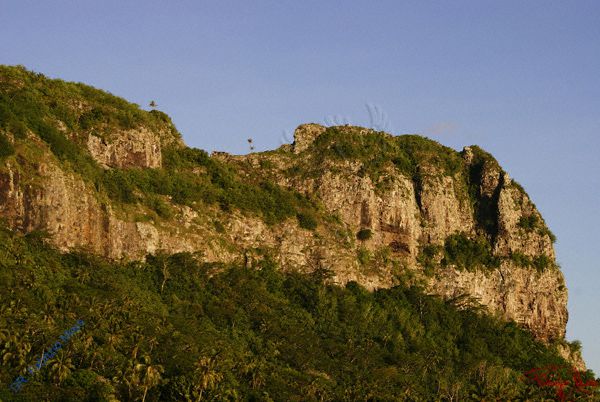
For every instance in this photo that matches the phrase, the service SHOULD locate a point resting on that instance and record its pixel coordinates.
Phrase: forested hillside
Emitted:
(174, 329)
(350, 265)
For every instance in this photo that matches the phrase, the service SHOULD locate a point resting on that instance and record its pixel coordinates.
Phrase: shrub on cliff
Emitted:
(532, 223)
(307, 221)
(364, 234)
(466, 253)
(217, 183)
(6, 148)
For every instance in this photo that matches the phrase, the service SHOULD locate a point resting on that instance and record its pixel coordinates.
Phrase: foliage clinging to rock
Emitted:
(466, 253)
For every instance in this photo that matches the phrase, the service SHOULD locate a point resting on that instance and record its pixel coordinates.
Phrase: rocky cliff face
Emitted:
(408, 207)
(405, 217)
(131, 148)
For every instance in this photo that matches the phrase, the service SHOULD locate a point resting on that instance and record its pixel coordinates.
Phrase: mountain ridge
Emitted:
(102, 175)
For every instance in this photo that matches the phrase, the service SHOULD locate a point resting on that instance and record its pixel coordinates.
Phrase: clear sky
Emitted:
(521, 79)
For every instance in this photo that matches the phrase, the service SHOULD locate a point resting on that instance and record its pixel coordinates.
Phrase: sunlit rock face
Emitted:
(405, 213)
(129, 148)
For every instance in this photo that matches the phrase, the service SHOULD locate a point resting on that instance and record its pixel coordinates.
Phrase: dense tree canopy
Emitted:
(175, 329)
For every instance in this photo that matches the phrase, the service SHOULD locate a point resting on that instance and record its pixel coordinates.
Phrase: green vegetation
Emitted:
(158, 205)
(532, 223)
(6, 148)
(219, 227)
(376, 150)
(58, 112)
(460, 251)
(463, 252)
(428, 257)
(520, 259)
(307, 220)
(529, 223)
(364, 256)
(539, 262)
(364, 234)
(219, 183)
(466, 253)
(33, 100)
(175, 329)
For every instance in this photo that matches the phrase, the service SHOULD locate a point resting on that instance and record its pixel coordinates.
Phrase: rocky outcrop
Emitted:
(536, 300)
(405, 214)
(514, 205)
(407, 196)
(305, 135)
(131, 148)
(41, 195)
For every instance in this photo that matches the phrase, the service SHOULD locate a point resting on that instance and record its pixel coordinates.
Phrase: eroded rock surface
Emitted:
(403, 214)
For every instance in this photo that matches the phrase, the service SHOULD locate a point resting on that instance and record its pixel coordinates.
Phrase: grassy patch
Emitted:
(364, 256)
(539, 262)
(307, 220)
(466, 253)
(378, 150)
(529, 223)
(533, 223)
(6, 147)
(217, 183)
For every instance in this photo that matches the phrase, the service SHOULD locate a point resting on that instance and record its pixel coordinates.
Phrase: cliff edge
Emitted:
(100, 174)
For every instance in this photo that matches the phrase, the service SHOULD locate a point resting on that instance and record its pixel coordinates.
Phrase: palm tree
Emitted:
(93, 358)
(207, 376)
(135, 339)
(82, 275)
(14, 350)
(92, 305)
(149, 375)
(152, 342)
(113, 340)
(128, 376)
(83, 346)
(254, 370)
(61, 368)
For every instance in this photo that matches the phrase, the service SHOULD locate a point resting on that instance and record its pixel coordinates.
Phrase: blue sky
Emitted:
(518, 78)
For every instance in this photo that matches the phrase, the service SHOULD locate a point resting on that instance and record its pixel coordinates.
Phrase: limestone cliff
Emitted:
(420, 209)
(407, 214)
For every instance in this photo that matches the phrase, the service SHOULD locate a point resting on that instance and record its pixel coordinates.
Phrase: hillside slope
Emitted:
(176, 329)
(100, 175)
